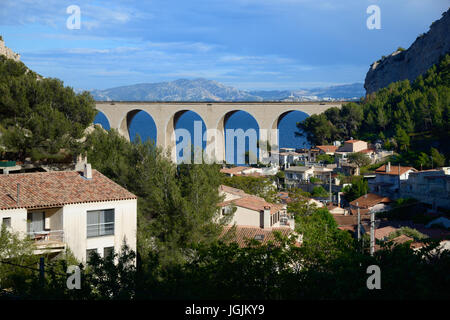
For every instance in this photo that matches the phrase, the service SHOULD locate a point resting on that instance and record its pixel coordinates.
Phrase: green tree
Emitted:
(41, 118)
(358, 188)
(259, 186)
(402, 139)
(359, 159)
(326, 158)
(437, 158)
(319, 191)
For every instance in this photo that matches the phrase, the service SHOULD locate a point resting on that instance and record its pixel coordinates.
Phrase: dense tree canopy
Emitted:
(41, 118)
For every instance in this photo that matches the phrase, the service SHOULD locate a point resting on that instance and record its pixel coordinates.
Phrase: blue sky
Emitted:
(249, 44)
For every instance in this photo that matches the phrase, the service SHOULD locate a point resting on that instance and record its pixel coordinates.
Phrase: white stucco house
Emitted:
(302, 174)
(84, 211)
(388, 180)
(428, 186)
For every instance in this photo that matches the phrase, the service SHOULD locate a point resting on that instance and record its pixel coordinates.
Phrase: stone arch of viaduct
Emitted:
(213, 114)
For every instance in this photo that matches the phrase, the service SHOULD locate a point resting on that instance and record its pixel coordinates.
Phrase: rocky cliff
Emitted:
(4, 50)
(426, 51)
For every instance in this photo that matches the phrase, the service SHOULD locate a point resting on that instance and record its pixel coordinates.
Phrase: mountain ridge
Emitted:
(201, 89)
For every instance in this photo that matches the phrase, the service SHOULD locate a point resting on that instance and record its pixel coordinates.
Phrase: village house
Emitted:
(302, 174)
(233, 171)
(290, 157)
(352, 146)
(388, 179)
(59, 210)
(370, 203)
(252, 210)
(250, 171)
(428, 186)
(330, 150)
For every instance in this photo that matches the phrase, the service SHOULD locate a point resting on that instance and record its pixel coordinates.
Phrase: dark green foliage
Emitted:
(325, 158)
(327, 265)
(358, 188)
(41, 118)
(413, 233)
(319, 191)
(315, 180)
(359, 159)
(259, 186)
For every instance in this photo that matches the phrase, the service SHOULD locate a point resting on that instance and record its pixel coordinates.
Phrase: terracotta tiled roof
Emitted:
(284, 197)
(353, 141)
(251, 174)
(327, 148)
(367, 151)
(248, 201)
(257, 204)
(57, 188)
(243, 234)
(349, 220)
(354, 211)
(235, 191)
(402, 239)
(369, 200)
(394, 170)
(384, 232)
(233, 170)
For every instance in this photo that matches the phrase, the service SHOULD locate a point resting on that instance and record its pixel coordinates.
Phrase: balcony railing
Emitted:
(51, 236)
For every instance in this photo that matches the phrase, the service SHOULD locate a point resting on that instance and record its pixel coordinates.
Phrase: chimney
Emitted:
(388, 167)
(81, 161)
(18, 193)
(87, 173)
(265, 218)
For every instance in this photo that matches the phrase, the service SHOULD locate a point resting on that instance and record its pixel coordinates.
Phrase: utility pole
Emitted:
(330, 190)
(372, 232)
(359, 222)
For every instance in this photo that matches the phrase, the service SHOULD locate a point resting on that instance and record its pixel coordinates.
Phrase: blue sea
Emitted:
(143, 125)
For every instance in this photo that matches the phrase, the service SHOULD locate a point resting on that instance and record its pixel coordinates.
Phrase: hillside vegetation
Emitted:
(40, 118)
(407, 117)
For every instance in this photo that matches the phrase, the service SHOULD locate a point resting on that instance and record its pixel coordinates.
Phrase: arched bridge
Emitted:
(213, 114)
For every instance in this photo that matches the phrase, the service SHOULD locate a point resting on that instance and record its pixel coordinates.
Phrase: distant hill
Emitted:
(178, 90)
(208, 90)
